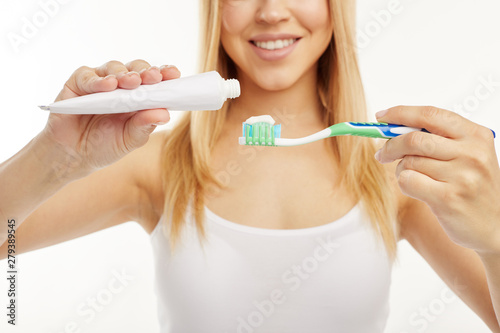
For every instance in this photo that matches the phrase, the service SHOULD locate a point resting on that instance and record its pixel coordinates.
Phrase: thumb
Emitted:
(141, 125)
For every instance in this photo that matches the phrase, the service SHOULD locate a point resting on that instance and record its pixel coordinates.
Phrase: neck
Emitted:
(296, 106)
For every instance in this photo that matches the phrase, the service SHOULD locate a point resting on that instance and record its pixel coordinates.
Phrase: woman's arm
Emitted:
(460, 268)
(68, 162)
(492, 266)
(454, 171)
(31, 177)
(124, 191)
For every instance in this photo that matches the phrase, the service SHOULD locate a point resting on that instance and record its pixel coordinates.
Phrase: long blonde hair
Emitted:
(186, 152)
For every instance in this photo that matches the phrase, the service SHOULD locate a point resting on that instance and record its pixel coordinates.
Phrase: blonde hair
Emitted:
(186, 152)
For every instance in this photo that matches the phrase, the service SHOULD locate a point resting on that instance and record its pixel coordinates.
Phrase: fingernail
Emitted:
(107, 77)
(132, 73)
(120, 75)
(168, 66)
(377, 155)
(159, 123)
(380, 114)
(154, 68)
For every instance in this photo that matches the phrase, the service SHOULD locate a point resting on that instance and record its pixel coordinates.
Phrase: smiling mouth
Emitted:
(274, 44)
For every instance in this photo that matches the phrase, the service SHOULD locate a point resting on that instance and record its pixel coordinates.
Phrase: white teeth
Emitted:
(275, 45)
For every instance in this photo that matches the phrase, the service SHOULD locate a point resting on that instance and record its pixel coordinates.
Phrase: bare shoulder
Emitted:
(145, 167)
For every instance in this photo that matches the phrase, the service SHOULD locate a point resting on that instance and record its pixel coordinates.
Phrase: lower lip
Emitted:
(274, 55)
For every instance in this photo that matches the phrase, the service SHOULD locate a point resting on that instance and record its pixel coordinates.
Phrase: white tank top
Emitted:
(331, 278)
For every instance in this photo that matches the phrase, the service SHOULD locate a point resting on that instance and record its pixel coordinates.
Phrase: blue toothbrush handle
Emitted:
(384, 130)
(380, 130)
(392, 130)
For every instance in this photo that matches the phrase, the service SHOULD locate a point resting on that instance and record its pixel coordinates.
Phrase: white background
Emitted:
(426, 53)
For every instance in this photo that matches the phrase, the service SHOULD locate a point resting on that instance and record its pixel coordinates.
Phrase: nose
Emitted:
(272, 11)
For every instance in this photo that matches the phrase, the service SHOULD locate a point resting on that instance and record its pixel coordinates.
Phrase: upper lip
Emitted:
(272, 37)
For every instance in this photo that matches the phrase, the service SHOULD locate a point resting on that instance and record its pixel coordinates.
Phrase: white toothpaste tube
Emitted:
(206, 91)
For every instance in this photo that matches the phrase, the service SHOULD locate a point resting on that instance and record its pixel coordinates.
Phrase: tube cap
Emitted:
(232, 88)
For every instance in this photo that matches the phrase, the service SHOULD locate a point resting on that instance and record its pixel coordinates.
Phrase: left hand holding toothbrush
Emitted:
(453, 169)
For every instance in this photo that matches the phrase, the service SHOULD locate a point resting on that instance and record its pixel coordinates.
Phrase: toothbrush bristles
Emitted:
(261, 134)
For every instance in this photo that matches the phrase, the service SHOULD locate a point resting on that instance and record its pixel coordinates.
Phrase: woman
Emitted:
(269, 258)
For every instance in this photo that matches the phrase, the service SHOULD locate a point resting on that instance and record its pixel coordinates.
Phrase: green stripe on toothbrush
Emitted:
(345, 129)
(269, 136)
(263, 139)
(247, 135)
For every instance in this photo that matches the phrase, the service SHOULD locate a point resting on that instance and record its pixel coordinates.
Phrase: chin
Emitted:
(275, 81)
(274, 86)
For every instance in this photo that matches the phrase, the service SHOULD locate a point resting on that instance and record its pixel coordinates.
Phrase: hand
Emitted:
(453, 169)
(95, 141)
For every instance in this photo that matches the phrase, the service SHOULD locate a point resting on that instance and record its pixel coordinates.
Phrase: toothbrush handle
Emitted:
(380, 130)
(384, 130)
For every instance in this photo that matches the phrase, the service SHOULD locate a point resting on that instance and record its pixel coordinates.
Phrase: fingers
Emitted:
(137, 65)
(170, 72)
(114, 74)
(421, 187)
(125, 79)
(456, 154)
(85, 81)
(440, 122)
(141, 125)
(112, 67)
(152, 74)
(137, 72)
(435, 169)
(149, 74)
(417, 144)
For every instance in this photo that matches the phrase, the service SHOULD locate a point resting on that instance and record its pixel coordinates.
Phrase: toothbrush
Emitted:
(261, 131)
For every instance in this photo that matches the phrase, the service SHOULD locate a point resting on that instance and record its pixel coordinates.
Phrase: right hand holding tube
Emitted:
(95, 141)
